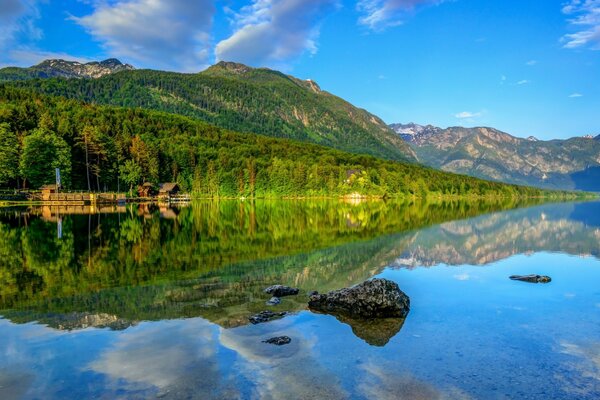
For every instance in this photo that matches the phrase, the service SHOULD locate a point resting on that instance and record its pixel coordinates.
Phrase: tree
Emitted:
(131, 173)
(9, 154)
(43, 151)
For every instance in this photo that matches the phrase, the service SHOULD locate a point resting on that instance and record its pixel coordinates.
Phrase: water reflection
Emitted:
(157, 304)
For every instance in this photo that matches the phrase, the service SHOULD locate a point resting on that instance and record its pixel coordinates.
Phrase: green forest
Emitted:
(111, 148)
(236, 97)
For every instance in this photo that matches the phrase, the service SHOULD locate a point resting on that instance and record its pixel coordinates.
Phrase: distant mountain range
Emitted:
(229, 95)
(65, 69)
(491, 154)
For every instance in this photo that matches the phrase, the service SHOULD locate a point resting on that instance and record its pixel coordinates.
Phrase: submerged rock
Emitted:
(278, 341)
(280, 290)
(531, 278)
(265, 316)
(375, 298)
(273, 301)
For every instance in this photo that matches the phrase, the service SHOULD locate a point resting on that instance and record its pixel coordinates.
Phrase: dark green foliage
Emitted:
(9, 154)
(236, 97)
(43, 151)
(143, 145)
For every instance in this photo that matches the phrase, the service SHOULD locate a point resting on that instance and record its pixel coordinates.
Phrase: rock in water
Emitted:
(531, 278)
(265, 316)
(273, 301)
(278, 341)
(280, 290)
(375, 298)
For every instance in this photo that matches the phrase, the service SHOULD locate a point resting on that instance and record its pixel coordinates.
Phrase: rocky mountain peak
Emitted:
(412, 132)
(75, 69)
(232, 67)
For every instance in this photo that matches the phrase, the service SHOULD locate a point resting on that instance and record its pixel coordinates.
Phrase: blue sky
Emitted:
(525, 67)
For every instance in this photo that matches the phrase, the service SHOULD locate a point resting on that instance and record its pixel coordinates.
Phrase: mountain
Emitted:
(237, 97)
(65, 69)
(118, 148)
(491, 154)
(412, 132)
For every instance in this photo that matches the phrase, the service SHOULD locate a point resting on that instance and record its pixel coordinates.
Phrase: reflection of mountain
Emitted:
(214, 261)
(486, 239)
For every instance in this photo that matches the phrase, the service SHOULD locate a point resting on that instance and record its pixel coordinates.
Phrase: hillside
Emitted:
(104, 147)
(234, 96)
(491, 154)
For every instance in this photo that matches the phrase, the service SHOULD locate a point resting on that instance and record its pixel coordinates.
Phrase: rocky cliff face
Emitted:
(491, 154)
(74, 69)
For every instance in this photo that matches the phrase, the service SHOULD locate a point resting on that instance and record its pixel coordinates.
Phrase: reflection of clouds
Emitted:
(462, 277)
(177, 357)
(282, 372)
(586, 365)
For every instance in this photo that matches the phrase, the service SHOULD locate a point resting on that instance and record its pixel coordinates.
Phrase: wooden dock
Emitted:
(78, 198)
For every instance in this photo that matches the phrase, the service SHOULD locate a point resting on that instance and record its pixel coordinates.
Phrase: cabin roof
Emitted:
(147, 184)
(168, 186)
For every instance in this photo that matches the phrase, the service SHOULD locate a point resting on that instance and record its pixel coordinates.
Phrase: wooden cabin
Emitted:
(146, 190)
(167, 189)
(48, 191)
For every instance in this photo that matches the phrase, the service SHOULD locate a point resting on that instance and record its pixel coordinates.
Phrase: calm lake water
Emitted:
(144, 302)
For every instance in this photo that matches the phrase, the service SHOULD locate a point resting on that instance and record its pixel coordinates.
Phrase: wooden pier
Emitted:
(50, 196)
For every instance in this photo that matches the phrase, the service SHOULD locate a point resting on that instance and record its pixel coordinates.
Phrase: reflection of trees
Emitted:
(220, 255)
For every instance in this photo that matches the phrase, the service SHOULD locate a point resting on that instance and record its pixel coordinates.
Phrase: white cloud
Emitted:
(17, 17)
(523, 82)
(271, 32)
(585, 18)
(531, 63)
(468, 114)
(171, 34)
(575, 95)
(380, 14)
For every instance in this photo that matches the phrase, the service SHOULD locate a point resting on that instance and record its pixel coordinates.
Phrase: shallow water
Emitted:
(146, 303)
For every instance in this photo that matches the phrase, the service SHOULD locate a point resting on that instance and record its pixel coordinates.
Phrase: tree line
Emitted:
(112, 148)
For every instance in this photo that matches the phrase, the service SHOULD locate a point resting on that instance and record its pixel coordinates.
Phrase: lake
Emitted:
(153, 302)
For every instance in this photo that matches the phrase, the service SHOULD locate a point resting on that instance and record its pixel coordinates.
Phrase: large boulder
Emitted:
(280, 291)
(531, 278)
(375, 298)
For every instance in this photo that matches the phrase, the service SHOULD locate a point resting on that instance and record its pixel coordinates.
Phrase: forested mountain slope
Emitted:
(127, 146)
(240, 98)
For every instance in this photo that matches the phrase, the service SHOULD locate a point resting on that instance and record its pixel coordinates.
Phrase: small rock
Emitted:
(312, 293)
(278, 341)
(265, 316)
(375, 298)
(273, 301)
(280, 290)
(531, 278)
